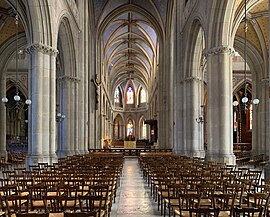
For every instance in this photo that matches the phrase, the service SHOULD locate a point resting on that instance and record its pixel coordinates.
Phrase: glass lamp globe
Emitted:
(235, 103)
(244, 99)
(28, 102)
(4, 99)
(255, 101)
(17, 98)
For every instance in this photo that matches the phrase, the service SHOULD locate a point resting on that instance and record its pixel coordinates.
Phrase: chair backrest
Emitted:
(17, 204)
(38, 191)
(53, 203)
(90, 203)
(248, 211)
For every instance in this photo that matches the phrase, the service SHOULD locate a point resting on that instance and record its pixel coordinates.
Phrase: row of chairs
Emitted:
(183, 185)
(72, 182)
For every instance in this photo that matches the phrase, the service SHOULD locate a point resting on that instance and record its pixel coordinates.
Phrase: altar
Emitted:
(129, 144)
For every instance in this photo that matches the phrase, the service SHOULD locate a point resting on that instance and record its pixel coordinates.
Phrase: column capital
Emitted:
(219, 50)
(46, 49)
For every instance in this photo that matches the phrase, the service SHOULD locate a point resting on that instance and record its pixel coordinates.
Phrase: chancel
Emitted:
(128, 90)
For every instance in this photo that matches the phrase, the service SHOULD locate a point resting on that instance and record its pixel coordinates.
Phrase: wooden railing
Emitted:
(132, 151)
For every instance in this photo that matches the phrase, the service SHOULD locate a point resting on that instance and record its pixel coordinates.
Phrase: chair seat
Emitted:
(57, 214)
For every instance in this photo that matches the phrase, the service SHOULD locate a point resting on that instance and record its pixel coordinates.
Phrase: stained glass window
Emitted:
(143, 96)
(130, 96)
(116, 95)
(130, 128)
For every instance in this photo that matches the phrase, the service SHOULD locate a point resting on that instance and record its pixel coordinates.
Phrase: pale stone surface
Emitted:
(133, 196)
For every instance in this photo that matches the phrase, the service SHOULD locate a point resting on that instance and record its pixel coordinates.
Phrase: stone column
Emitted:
(3, 142)
(219, 105)
(40, 111)
(267, 169)
(52, 144)
(194, 125)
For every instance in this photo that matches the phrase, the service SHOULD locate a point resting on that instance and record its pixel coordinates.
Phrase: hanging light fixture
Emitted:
(18, 102)
(245, 99)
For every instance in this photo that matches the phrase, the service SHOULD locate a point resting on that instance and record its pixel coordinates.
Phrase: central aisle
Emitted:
(133, 195)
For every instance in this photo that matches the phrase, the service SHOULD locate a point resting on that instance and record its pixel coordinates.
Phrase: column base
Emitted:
(228, 159)
(189, 153)
(65, 153)
(267, 172)
(35, 159)
(4, 154)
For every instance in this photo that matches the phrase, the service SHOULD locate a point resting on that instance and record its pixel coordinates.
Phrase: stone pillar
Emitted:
(3, 142)
(52, 144)
(194, 125)
(40, 110)
(219, 105)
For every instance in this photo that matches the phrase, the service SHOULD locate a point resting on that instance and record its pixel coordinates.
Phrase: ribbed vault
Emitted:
(130, 49)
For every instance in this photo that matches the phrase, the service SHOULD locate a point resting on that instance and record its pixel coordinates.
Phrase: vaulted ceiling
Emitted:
(130, 49)
(257, 21)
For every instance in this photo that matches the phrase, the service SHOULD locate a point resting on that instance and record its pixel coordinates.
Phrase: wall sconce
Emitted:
(59, 116)
(200, 119)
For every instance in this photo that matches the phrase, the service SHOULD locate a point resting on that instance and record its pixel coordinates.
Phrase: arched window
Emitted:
(142, 96)
(130, 127)
(143, 129)
(130, 95)
(117, 95)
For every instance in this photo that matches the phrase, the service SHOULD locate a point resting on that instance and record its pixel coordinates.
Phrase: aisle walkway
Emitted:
(133, 196)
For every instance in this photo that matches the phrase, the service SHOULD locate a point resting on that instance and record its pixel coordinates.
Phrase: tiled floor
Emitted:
(133, 196)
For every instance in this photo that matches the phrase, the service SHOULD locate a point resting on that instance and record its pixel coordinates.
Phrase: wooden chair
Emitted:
(186, 202)
(89, 203)
(248, 211)
(70, 197)
(204, 212)
(53, 204)
(103, 191)
(16, 204)
(225, 203)
(37, 192)
(173, 196)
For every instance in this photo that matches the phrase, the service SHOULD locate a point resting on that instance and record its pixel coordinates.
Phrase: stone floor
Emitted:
(133, 196)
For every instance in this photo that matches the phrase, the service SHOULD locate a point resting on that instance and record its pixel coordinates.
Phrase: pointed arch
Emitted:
(142, 128)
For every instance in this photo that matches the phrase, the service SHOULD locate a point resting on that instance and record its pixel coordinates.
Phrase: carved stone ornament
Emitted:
(69, 78)
(42, 48)
(219, 50)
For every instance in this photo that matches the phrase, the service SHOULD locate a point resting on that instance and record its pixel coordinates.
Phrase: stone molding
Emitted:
(73, 7)
(190, 79)
(265, 81)
(69, 78)
(46, 49)
(219, 50)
